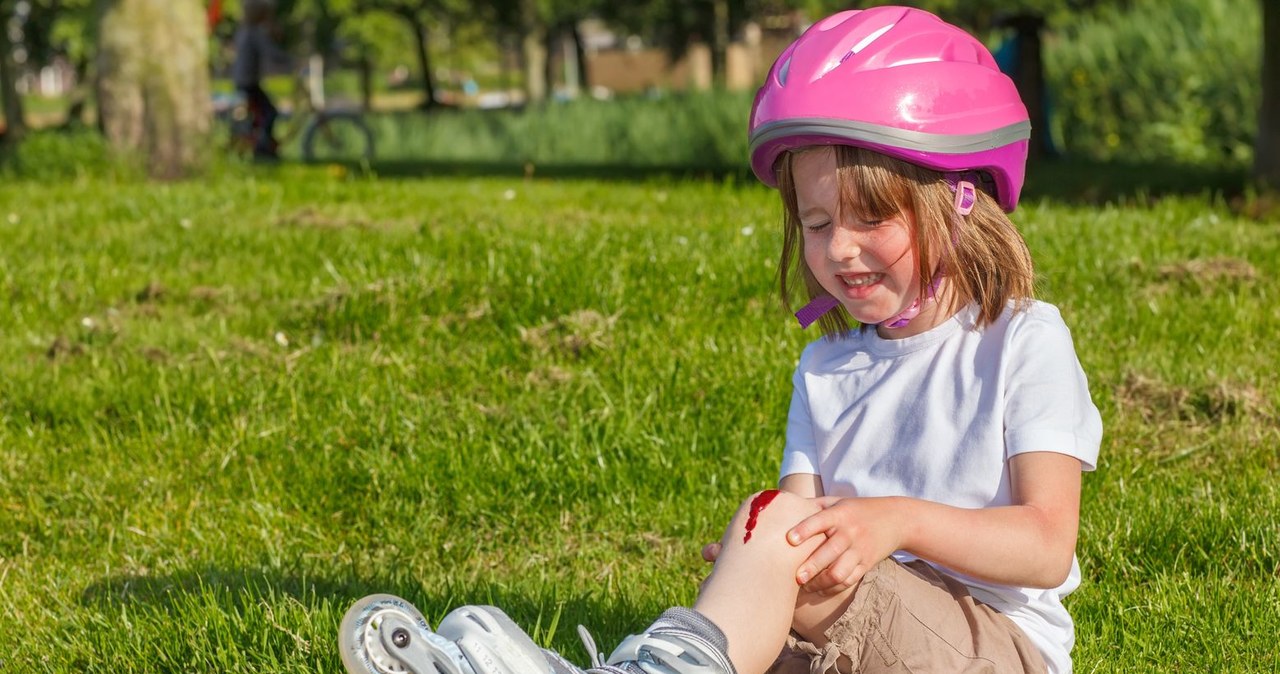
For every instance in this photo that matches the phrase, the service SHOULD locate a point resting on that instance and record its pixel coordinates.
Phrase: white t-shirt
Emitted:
(936, 416)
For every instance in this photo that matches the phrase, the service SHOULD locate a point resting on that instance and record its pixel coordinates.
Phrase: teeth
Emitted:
(860, 281)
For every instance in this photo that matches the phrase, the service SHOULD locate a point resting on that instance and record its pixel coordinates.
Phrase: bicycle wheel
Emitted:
(337, 137)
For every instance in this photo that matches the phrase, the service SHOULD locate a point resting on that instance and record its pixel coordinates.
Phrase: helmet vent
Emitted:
(783, 71)
(864, 42)
(861, 44)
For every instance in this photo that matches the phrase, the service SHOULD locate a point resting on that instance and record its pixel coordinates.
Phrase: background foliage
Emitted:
(1168, 80)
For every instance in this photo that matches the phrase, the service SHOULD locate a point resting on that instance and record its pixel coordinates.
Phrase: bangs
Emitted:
(874, 186)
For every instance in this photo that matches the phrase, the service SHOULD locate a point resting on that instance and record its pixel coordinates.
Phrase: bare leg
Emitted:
(752, 594)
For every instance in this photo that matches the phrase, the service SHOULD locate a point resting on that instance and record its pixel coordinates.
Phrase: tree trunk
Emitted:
(719, 43)
(366, 78)
(15, 121)
(424, 59)
(1266, 149)
(153, 83)
(552, 46)
(534, 51)
(581, 53)
(1029, 78)
(78, 101)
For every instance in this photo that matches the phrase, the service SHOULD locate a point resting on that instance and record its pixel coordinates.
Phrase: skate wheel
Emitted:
(358, 638)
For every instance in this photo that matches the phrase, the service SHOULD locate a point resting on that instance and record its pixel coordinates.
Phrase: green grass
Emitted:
(230, 407)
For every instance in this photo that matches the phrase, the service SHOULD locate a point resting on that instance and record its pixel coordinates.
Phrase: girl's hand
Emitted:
(859, 531)
(710, 552)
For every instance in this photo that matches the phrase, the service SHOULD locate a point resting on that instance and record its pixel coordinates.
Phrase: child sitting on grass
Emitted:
(930, 490)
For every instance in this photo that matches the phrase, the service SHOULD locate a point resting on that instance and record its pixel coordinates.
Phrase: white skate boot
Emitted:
(383, 634)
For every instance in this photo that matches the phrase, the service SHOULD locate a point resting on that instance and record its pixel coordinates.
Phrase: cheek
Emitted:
(895, 249)
(809, 247)
(814, 249)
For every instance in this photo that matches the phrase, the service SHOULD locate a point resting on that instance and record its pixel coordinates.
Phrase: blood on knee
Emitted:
(758, 504)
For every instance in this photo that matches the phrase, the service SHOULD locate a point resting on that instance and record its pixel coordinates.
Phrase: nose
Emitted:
(843, 243)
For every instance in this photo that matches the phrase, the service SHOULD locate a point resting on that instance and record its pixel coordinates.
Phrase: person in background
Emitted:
(257, 51)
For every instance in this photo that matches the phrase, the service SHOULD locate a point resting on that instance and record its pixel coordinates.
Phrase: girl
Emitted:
(930, 487)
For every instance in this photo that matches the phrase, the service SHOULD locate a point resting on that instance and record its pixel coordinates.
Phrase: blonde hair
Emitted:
(983, 256)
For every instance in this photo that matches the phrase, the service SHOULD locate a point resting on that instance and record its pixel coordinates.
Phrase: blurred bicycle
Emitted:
(325, 133)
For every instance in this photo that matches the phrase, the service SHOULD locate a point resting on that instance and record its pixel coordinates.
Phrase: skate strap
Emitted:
(589, 643)
(662, 654)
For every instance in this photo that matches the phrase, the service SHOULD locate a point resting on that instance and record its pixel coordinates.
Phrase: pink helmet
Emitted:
(899, 81)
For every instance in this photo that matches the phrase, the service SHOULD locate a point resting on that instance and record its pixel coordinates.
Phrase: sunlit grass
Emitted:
(231, 407)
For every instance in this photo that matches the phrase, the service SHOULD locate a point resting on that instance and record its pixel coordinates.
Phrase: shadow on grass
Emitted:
(1065, 180)
(241, 595)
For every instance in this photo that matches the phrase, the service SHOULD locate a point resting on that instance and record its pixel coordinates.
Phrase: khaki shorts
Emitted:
(911, 618)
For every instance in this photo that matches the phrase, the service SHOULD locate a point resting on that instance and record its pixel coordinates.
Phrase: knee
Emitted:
(768, 515)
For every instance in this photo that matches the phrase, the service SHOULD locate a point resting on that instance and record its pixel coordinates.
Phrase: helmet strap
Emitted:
(814, 310)
(902, 319)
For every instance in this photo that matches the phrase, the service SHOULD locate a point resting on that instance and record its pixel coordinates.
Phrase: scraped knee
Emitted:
(768, 515)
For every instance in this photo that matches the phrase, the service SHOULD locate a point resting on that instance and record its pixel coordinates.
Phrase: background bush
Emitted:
(1165, 80)
(694, 130)
(1174, 81)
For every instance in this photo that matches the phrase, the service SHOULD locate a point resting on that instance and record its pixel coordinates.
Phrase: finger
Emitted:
(841, 580)
(711, 552)
(822, 583)
(832, 574)
(841, 575)
(817, 523)
(820, 559)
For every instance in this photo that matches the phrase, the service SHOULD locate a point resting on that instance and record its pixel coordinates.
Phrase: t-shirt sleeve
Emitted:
(801, 453)
(1047, 402)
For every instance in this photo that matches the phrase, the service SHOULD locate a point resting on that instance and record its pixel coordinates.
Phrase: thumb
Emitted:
(711, 551)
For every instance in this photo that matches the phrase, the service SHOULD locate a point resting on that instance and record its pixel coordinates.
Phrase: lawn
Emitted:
(230, 407)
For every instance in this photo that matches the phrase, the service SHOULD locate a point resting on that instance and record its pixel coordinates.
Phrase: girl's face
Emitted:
(869, 266)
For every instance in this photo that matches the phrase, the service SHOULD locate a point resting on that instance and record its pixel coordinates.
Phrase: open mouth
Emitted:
(859, 281)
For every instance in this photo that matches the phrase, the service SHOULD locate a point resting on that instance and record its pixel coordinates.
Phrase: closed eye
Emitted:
(817, 226)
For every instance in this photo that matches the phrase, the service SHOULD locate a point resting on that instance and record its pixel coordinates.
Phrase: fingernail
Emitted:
(804, 576)
(793, 538)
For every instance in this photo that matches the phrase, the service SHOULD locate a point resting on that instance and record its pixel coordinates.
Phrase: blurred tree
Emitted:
(373, 40)
(533, 48)
(419, 15)
(1266, 149)
(65, 28)
(538, 24)
(563, 18)
(676, 24)
(43, 30)
(153, 82)
(15, 119)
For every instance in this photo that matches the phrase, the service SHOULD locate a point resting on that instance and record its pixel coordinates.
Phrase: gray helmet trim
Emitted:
(919, 141)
